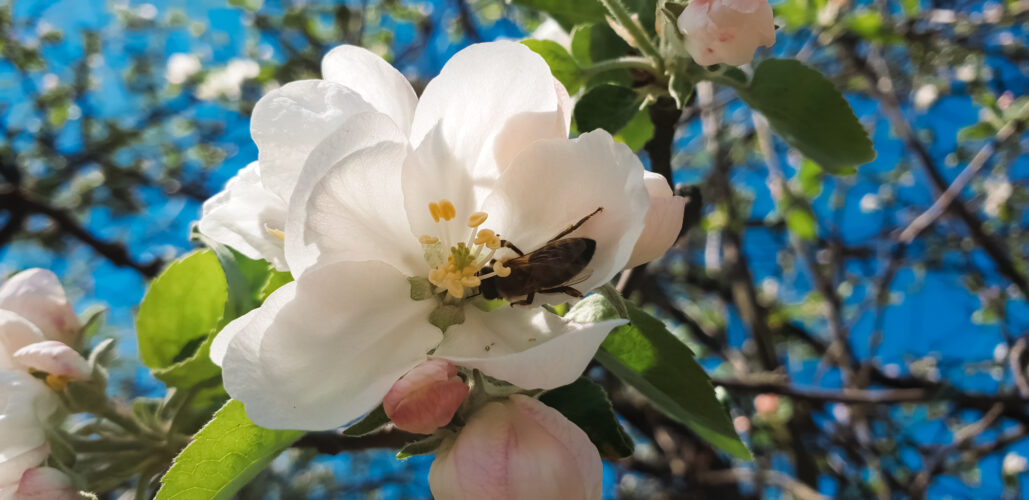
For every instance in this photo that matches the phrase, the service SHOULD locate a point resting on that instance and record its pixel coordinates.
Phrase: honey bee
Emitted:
(552, 268)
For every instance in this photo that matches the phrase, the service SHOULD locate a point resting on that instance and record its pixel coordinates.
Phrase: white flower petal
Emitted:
(375, 80)
(555, 183)
(328, 355)
(491, 100)
(243, 213)
(15, 332)
(221, 342)
(432, 174)
(348, 204)
(13, 466)
(528, 347)
(290, 121)
(36, 294)
(46, 483)
(663, 222)
(25, 402)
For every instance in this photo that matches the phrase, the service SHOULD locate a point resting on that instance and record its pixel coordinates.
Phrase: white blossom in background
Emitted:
(925, 96)
(228, 81)
(376, 187)
(1014, 464)
(180, 67)
(870, 203)
(998, 190)
(726, 31)
(549, 29)
(517, 449)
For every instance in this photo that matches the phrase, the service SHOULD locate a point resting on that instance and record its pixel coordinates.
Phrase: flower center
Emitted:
(454, 266)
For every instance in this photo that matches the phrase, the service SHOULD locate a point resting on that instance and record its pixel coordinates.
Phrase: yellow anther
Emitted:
(501, 270)
(435, 211)
(477, 219)
(484, 236)
(493, 243)
(427, 240)
(278, 233)
(447, 210)
(56, 382)
(470, 281)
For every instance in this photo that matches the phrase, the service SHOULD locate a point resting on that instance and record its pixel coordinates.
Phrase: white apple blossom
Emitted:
(34, 311)
(45, 483)
(516, 449)
(376, 187)
(228, 81)
(180, 67)
(726, 31)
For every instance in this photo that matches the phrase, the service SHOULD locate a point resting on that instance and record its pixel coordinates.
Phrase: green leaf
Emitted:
(567, 12)
(223, 457)
(637, 132)
(181, 309)
(581, 44)
(801, 223)
(275, 280)
(371, 422)
(809, 176)
(809, 113)
(607, 106)
(645, 355)
(562, 65)
(424, 446)
(585, 403)
(596, 43)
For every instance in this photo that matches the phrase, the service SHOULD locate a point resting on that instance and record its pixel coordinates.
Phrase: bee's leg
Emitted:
(527, 301)
(508, 244)
(567, 290)
(575, 226)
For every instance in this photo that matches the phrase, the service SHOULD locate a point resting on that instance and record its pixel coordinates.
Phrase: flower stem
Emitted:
(615, 298)
(643, 42)
(628, 62)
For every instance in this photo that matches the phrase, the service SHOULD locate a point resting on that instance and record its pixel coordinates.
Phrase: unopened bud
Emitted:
(766, 404)
(518, 448)
(37, 295)
(425, 398)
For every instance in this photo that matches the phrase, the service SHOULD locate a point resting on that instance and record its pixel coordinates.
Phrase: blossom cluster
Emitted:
(38, 328)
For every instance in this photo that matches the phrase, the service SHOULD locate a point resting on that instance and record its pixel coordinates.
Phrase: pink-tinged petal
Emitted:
(291, 121)
(349, 205)
(555, 183)
(45, 483)
(726, 31)
(663, 222)
(14, 465)
(245, 216)
(326, 348)
(37, 295)
(517, 449)
(375, 80)
(54, 358)
(528, 347)
(489, 101)
(426, 397)
(15, 332)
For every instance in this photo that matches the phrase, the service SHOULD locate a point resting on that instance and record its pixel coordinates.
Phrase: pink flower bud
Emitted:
(726, 31)
(516, 449)
(45, 483)
(425, 398)
(36, 295)
(55, 359)
(766, 404)
(663, 223)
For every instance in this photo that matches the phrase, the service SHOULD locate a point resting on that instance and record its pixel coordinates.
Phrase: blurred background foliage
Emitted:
(867, 332)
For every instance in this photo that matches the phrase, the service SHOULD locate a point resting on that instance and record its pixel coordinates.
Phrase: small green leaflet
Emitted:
(561, 63)
(607, 106)
(371, 422)
(223, 457)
